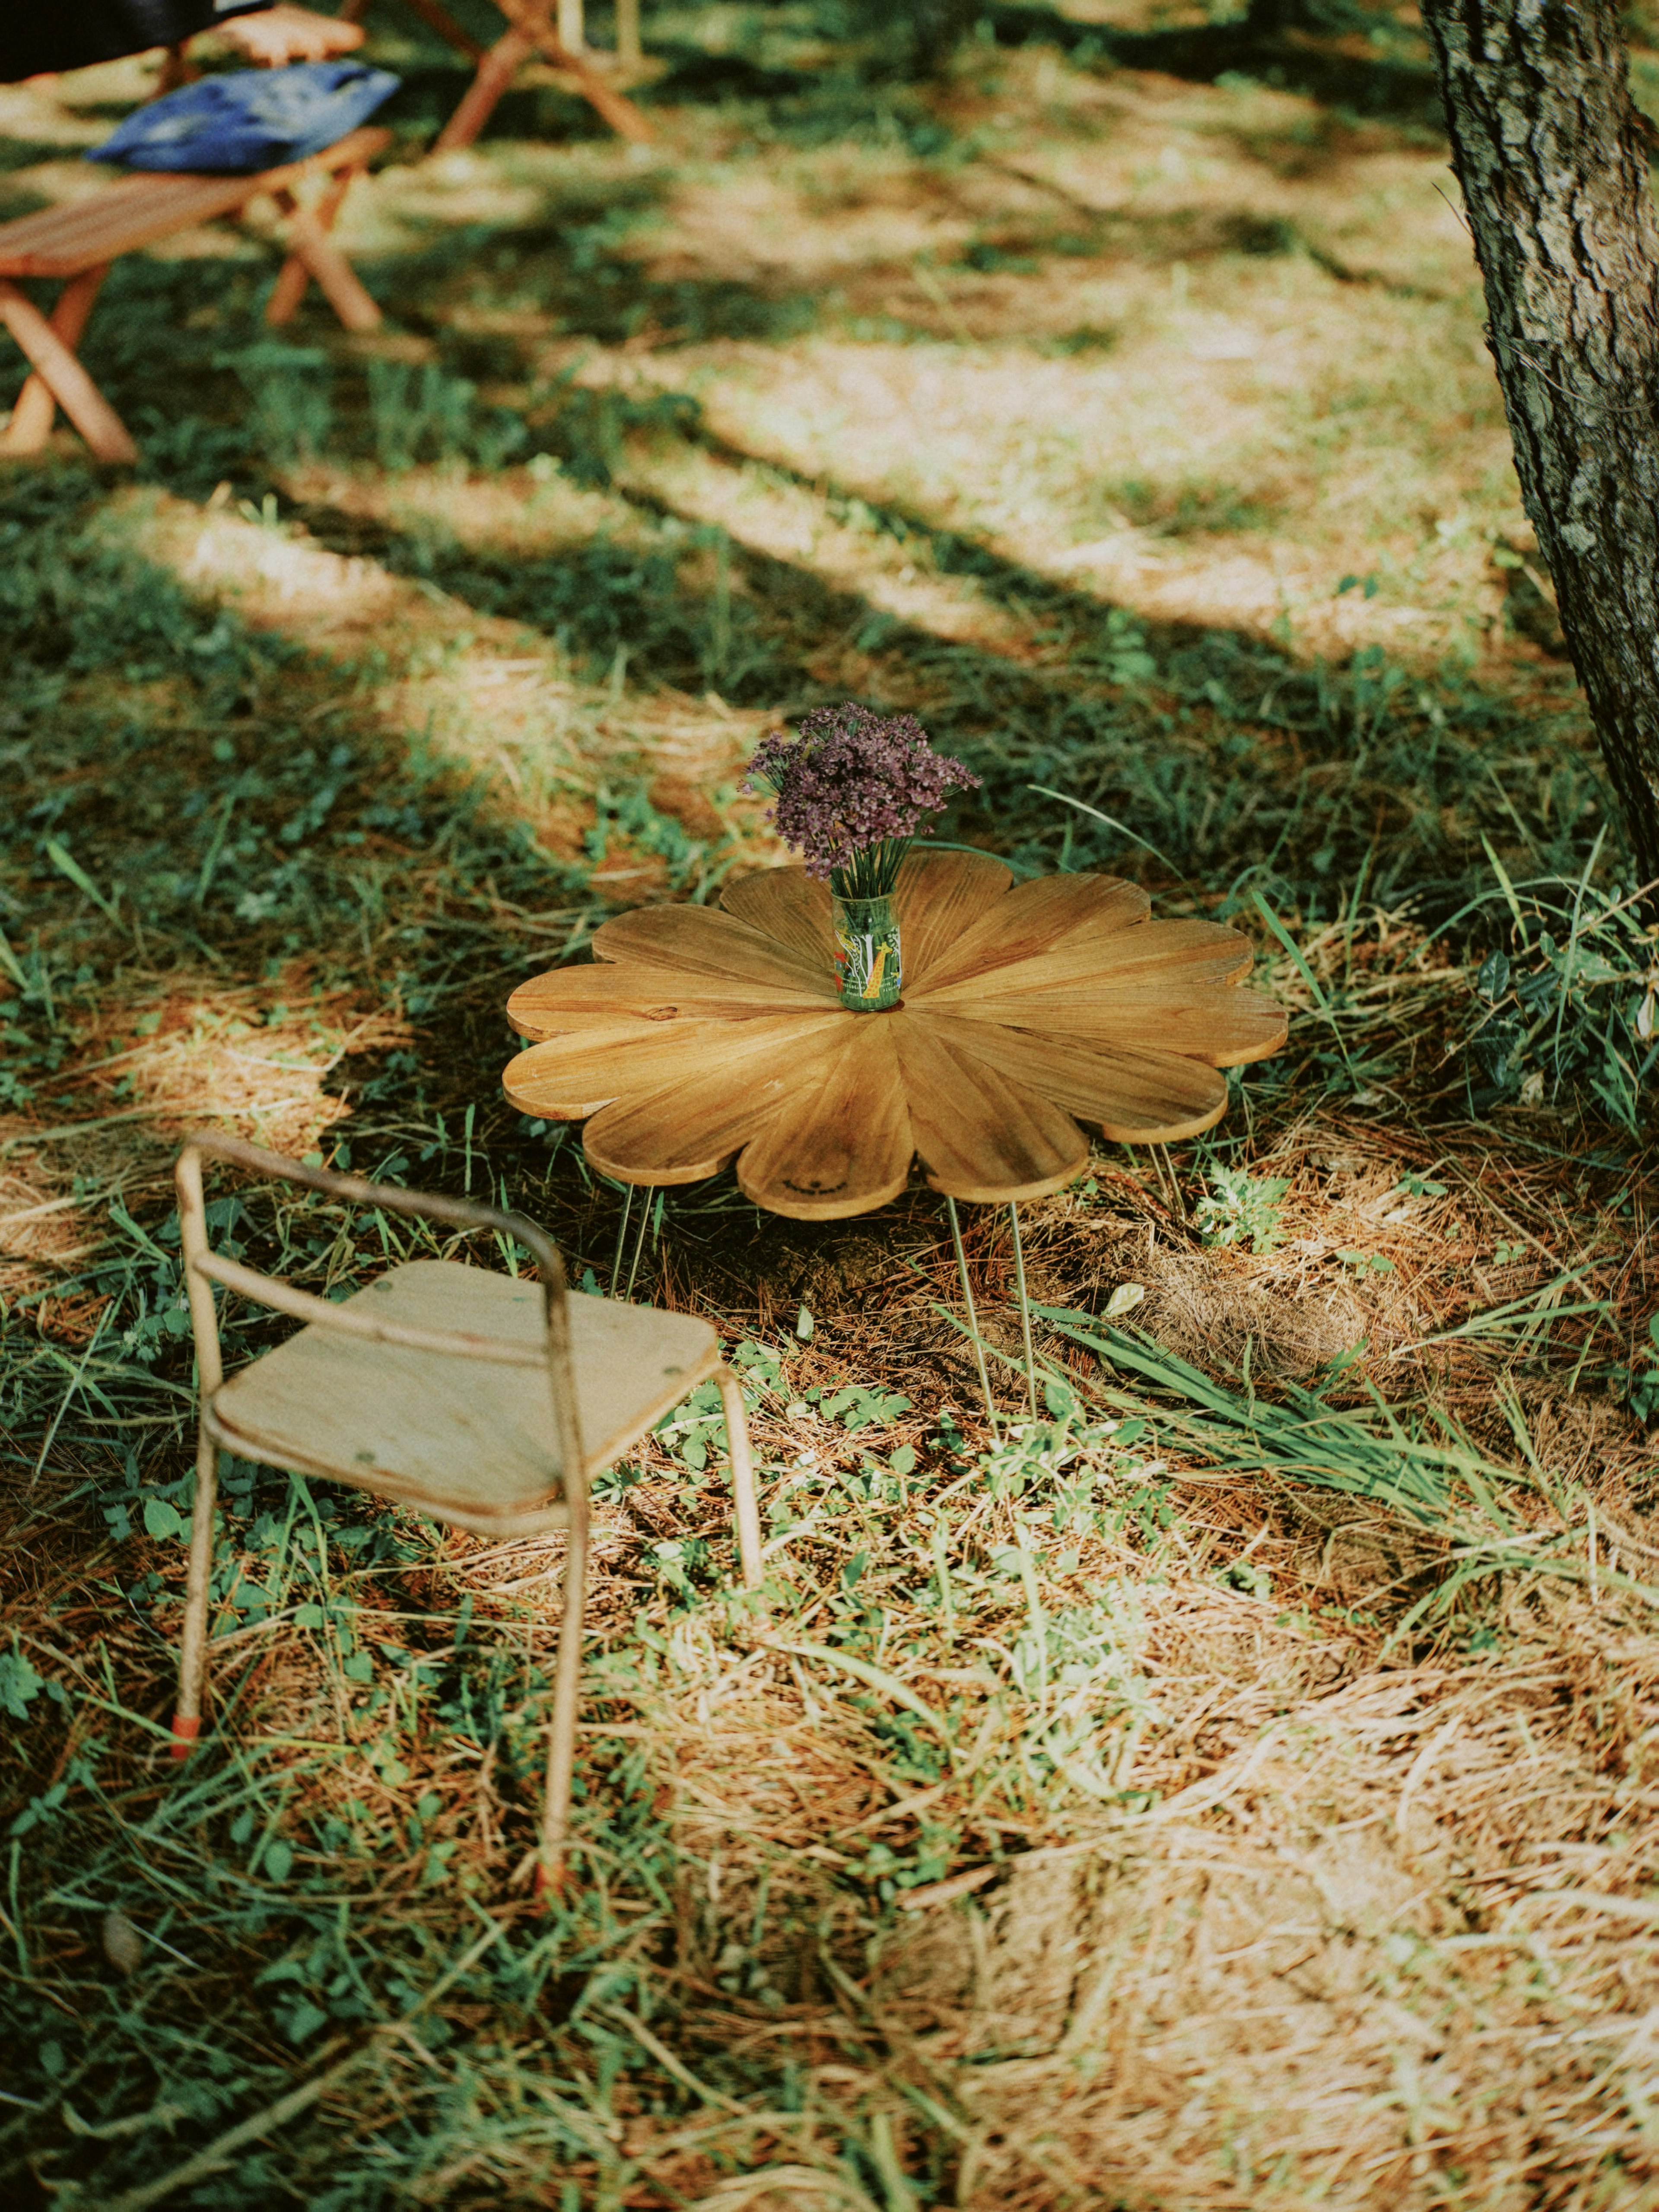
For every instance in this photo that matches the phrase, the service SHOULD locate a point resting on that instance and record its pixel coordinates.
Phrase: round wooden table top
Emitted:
(698, 1034)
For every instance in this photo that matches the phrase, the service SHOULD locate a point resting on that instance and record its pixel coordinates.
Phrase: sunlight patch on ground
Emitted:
(493, 693)
(1035, 456)
(173, 1052)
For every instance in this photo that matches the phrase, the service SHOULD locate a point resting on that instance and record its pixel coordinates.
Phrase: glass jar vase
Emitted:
(867, 964)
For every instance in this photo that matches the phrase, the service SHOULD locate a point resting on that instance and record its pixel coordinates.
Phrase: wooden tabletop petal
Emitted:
(940, 895)
(983, 1134)
(1134, 1097)
(567, 1078)
(618, 992)
(691, 1128)
(789, 906)
(700, 941)
(1032, 920)
(844, 1145)
(1211, 1020)
(1141, 954)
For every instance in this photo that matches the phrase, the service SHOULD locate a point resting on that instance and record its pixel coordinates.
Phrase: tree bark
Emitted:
(1552, 156)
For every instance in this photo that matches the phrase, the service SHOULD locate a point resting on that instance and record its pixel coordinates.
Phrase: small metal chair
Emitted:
(392, 1391)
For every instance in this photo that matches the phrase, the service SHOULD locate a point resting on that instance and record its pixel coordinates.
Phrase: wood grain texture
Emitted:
(844, 1143)
(788, 906)
(1162, 954)
(1218, 1023)
(1032, 919)
(469, 1443)
(700, 941)
(981, 1134)
(940, 895)
(138, 211)
(621, 992)
(1131, 1095)
(690, 1128)
(567, 1078)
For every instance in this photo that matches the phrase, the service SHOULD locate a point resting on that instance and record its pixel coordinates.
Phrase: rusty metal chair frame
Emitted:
(203, 1267)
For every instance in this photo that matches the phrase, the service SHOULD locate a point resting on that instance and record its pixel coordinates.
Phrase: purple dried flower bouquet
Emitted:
(853, 790)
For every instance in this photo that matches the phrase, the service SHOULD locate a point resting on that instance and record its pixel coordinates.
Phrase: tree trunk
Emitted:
(1551, 153)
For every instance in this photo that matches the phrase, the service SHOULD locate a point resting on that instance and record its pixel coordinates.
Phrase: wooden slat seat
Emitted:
(469, 1444)
(146, 205)
(80, 239)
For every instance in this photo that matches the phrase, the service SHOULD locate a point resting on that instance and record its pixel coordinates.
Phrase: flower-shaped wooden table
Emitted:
(698, 1035)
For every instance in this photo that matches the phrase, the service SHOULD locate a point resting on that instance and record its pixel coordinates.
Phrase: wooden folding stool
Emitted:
(529, 31)
(79, 241)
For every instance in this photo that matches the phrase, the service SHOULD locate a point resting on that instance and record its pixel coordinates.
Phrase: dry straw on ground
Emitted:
(1166, 1806)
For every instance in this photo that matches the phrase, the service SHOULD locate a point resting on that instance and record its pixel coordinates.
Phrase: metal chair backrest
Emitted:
(203, 1267)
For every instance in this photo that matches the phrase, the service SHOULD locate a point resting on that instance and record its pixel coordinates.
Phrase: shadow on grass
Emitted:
(1293, 47)
(1230, 764)
(1235, 765)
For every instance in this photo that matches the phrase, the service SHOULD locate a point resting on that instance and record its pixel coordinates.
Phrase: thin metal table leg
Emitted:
(639, 1247)
(1024, 1309)
(621, 1233)
(967, 1300)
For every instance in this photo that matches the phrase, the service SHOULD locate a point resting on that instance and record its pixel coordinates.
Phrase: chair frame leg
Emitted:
(67, 380)
(743, 1479)
(209, 1374)
(550, 1864)
(192, 1646)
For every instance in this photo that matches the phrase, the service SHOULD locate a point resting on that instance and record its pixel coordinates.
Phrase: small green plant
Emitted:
(428, 415)
(855, 1405)
(291, 394)
(1567, 1003)
(1242, 1208)
(1638, 1387)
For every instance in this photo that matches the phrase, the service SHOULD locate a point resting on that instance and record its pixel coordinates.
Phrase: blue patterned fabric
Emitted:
(251, 120)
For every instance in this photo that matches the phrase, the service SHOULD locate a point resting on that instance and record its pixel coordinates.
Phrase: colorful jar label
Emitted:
(867, 965)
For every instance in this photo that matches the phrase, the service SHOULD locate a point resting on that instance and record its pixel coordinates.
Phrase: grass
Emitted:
(1230, 1789)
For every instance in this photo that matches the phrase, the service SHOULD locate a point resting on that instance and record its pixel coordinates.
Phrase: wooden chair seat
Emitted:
(465, 1442)
(80, 239)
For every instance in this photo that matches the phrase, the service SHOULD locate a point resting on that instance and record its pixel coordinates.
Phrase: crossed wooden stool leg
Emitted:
(79, 242)
(57, 378)
(530, 30)
(312, 253)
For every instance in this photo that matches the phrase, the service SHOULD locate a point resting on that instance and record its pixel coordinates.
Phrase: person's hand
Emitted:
(283, 33)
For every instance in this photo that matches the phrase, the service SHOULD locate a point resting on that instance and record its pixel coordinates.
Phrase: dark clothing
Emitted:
(37, 36)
